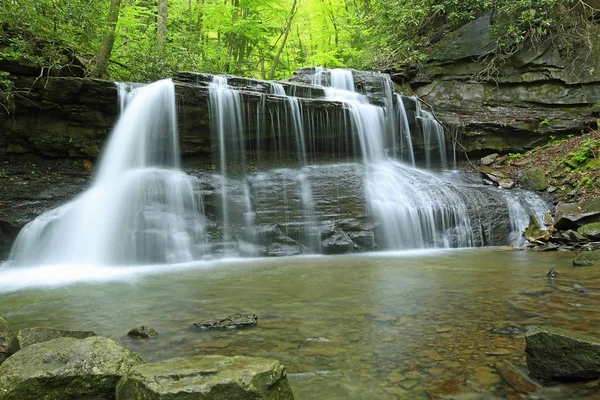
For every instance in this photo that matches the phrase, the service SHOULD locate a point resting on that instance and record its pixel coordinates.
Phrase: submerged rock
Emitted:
(587, 259)
(66, 369)
(142, 332)
(207, 377)
(557, 354)
(519, 381)
(230, 322)
(8, 341)
(29, 336)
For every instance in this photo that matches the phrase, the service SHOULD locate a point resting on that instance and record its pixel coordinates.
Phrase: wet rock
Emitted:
(66, 369)
(547, 247)
(230, 322)
(548, 221)
(575, 221)
(518, 380)
(8, 341)
(587, 259)
(511, 329)
(487, 160)
(492, 174)
(29, 336)
(283, 249)
(579, 289)
(338, 243)
(207, 377)
(553, 273)
(364, 239)
(534, 232)
(506, 183)
(534, 179)
(572, 236)
(558, 354)
(142, 332)
(591, 231)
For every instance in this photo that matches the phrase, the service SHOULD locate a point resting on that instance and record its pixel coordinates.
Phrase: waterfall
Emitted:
(331, 168)
(141, 208)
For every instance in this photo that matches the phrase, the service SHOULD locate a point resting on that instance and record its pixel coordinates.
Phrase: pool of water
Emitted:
(370, 326)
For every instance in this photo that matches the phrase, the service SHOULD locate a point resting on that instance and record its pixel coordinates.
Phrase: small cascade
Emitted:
(434, 138)
(228, 133)
(141, 207)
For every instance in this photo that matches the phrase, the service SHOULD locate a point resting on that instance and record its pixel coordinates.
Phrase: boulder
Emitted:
(29, 336)
(575, 221)
(493, 175)
(587, 259)
(487, 160)
(556, 354)
(65, 369)
(534, 232)
(8, 341)
(338, 243)
(506, 183)
(142, 332)
(534, 179)
(230, 322)
(207, 377)
(591, 231)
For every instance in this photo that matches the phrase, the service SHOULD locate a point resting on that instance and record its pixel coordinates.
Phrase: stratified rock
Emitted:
(66, 369)
(142, 332)
(8, 341)
(29, 336)
(207, 377)
(534, 179)
(587, 259)
(534, 232)
(557, 354)
(231, 322)
(338, 243)
(591, 231)
(548, 221)
(567, 219)
(492, 174)
(277, 249)
(506, 183)
(487, 160)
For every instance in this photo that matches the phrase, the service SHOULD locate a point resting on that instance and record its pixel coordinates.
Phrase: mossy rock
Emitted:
(557, 354)
(29, 336)
(207, 377)
(587, 259)
(534, 179)
(8, 340)
(66, 369)
(591, 231)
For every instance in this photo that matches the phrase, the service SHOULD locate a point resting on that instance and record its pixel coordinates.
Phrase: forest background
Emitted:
(145, 40)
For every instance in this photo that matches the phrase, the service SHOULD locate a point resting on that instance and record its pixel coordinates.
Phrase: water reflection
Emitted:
(379, 326)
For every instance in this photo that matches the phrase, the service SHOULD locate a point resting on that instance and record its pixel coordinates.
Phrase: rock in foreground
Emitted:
(66, 369)
(207, 377)
(556, 354)
(587, 259)
(29, 336)
(8, 341)
(231, 322)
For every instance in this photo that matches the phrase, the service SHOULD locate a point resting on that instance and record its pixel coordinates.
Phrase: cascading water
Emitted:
(141, 207)
(330, 170)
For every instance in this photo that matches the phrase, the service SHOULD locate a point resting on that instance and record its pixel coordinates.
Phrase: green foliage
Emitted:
(243, 37)
(514, 156)
(586, 151)
(544, 123)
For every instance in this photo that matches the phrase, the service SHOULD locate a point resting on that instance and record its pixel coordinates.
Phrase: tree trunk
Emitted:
(285, 36)
(105, 49)
(161, 31)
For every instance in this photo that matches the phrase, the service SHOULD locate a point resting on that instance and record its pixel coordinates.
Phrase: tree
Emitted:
(105, 49)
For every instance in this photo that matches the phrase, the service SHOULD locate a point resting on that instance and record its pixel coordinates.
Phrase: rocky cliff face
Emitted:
(537, 93)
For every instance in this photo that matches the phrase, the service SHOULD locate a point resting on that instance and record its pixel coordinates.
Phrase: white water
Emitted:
(140, 208)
